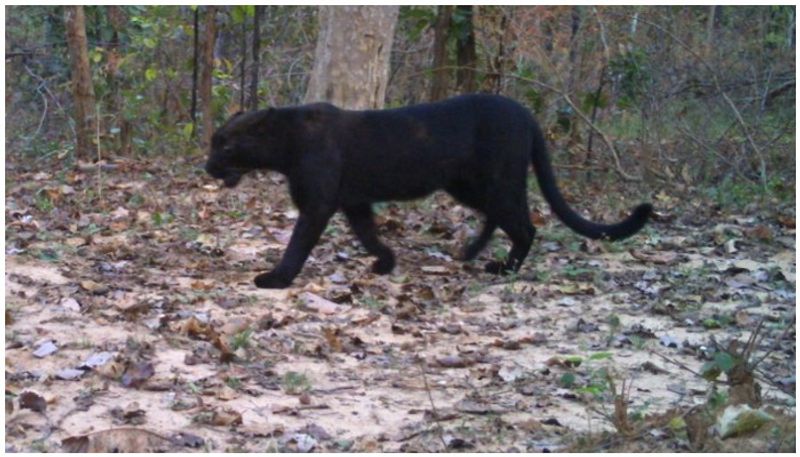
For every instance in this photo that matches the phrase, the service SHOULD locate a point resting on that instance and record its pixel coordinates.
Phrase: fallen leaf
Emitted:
(70, 374)
(97, 359)
(316, 303)
(455, 361)
(478, 407)
(32, 401)
(131, 414)
(658, 258)
(45, 349)
(71, 304)
(760, 232)
(331, 335)
(299, 442)
(126, 440)
(435, 269)
(137, 374)
(186, 439)
(94, 287)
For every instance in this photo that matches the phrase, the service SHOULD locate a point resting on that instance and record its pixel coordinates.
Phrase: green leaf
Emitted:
(710, 371)
(187, 131)
(567, 380)
(724, 361)
(149, 42)
(150, 74)
(573, 360)
(600, 356)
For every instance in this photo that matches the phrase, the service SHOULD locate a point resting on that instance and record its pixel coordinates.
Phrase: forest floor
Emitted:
(132, 324)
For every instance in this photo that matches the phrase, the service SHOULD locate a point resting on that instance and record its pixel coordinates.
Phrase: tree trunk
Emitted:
(195, 65)
(466, 57)
(351, 63)
(712, 13)
(441, 76)
(117, 19)
(82, 89)
(252, 102)
(210, 33)
(243, 53)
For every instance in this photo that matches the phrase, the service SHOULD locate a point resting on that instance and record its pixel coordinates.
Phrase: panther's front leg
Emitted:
(306, 233)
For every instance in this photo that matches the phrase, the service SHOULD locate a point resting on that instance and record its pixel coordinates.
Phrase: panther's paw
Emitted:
(272, 280)
(384, 265)
(496, 268)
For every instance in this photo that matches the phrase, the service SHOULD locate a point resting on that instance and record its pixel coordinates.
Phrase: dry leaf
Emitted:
(32, 401)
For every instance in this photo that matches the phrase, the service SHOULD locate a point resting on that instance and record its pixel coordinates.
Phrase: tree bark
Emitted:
(82, 89)
(351, 62)
(466, 57)
(195, 65)
(205, 87)
(252, 102)
(243, 53)
(441, 33)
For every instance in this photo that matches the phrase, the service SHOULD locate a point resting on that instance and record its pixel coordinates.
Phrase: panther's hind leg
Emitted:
(516, 222)
(361, 219)
(475, 246)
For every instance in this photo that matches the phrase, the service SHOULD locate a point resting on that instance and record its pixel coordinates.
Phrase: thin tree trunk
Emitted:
(195, 64)
(205, 87)
(243, 53)
(712, 13)
(351, 63)
(466, 57)
(117, 19)
(441, 76)
(573, 48)
(82, 89)
(254, 68)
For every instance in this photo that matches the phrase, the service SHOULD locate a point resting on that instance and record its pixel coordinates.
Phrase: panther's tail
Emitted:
(547, 182)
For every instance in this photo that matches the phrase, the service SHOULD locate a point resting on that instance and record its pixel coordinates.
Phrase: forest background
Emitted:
(131, 319)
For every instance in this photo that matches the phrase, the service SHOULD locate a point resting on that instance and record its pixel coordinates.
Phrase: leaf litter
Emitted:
(137, 314)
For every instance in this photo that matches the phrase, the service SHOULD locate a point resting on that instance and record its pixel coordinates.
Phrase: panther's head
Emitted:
(239, 146)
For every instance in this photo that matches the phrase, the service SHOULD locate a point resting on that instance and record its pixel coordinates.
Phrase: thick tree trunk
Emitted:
(351, 64)
(252, 102)
(82, 89)
(441, 76)
(466, 57)
(210, 34)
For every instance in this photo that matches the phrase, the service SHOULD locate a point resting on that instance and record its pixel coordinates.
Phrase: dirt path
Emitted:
(132, 323)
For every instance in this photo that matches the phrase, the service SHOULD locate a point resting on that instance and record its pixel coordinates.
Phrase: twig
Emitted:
(606, 139)
(715, 79)
(433, 406)
(777, 342)
(44, 99)
(676, 363)
(43, 85)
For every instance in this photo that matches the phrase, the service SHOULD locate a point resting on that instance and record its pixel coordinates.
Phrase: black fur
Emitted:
(475, 147)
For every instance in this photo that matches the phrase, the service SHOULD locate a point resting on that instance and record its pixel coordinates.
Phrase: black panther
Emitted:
(475, 147)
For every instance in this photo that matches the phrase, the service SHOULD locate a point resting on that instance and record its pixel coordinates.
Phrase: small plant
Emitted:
(233, 382)
(373, 303)
(43, 202)
(242, 339)
(295, 383)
